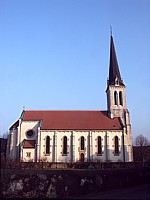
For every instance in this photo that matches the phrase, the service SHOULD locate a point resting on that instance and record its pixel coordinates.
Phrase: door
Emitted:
(82, 157)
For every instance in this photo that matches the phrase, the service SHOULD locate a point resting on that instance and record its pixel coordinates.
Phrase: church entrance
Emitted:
(82, 157)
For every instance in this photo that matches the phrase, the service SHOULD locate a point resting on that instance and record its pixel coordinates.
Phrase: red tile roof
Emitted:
(73, 120)
(29, 143)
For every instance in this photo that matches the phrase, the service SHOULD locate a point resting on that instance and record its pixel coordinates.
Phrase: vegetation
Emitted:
(141, 140)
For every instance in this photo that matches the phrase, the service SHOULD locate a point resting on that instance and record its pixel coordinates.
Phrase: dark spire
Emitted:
(114, 73)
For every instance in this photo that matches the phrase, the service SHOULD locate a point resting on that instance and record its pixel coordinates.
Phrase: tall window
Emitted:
(116, 98)
(120, 98)
(116, 145)
(47, 145)
(99, 145)
(82, 143)
(64, 145)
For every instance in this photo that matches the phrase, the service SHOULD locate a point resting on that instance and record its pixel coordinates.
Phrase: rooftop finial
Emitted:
(23, 107)
(110, 30)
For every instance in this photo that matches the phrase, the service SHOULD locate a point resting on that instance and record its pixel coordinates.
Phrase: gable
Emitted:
(29, 143)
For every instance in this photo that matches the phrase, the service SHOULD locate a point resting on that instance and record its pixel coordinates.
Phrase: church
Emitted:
(77, 136)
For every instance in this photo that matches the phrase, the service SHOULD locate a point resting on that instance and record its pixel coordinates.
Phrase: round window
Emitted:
(30, 133)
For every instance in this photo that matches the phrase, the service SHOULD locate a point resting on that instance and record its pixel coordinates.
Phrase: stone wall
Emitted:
(66, 183)
(11, 164)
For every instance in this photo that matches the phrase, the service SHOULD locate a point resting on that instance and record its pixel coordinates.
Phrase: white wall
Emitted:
(96, 157)
(57, 150)
(59, 142)
(77, 136)
(73, 138)
(111, 135)
(43, 155)
(24, 154)
(26, 126)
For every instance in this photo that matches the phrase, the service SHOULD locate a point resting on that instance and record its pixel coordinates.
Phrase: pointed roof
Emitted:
(29, 143)
(113, 65)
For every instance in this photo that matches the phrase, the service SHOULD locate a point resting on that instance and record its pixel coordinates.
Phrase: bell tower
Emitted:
(116, 90)
(116, 100)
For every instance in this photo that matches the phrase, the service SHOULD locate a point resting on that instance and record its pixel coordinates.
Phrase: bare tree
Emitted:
(5, 135)
(140, 140)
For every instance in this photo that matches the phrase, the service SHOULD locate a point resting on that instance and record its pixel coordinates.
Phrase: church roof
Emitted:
(113, 65)
(72, 120)
(29, 143)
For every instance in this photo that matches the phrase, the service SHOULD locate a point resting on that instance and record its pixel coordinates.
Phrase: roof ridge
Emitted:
(68, 110)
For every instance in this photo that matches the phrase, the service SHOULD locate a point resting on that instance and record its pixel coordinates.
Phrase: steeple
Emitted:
(114, 73)
(116, 90)
(116, 100)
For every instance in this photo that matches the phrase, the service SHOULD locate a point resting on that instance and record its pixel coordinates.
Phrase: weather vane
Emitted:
(23, 107)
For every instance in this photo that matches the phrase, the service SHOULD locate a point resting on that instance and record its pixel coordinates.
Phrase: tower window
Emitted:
(116, 98)
(120, 98)
(64, 145)
(116, 146)
(116, 81)
(82, 143)
(99, 145)
(47, 145)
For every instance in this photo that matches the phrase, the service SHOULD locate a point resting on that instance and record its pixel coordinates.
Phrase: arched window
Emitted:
(99, 145)
(116, 145)
(82, 143)
(64, 145)
(120, 98)
(116, 98)
(47, 145)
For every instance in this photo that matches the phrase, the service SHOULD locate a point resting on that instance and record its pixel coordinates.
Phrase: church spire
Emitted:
(114, 73)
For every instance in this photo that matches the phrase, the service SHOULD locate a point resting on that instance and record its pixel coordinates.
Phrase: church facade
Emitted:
(72, 136)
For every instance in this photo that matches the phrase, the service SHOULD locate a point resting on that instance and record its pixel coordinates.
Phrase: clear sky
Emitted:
(54, 55)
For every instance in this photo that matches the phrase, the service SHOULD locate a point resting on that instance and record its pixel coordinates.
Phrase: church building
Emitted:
(72, 136)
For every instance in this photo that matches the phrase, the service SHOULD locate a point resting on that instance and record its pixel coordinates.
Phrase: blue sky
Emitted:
(54, 55)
